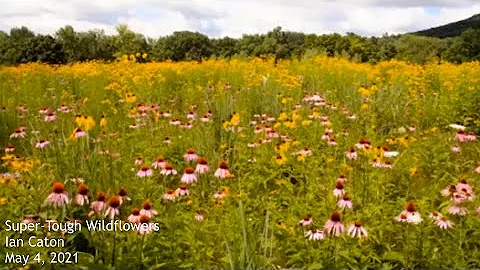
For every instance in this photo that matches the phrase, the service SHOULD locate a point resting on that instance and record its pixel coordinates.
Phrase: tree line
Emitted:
(21, 45)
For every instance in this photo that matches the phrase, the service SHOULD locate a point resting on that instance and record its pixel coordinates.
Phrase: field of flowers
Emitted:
(318, 163)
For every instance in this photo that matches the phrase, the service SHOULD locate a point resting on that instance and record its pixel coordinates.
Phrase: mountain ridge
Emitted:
(452, 29)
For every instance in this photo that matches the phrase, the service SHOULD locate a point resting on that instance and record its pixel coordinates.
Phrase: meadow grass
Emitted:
(395, 106)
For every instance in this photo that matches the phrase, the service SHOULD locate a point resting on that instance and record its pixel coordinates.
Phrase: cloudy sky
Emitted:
(234, 17)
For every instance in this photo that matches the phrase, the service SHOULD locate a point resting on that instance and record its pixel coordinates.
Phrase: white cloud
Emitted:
(235, 17)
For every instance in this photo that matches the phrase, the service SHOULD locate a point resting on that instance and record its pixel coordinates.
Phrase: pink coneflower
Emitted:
(253, 145)
(64, 108)
(362, 144)
(470, 137)
(113, 208)
(402, 218)
(376, 163)
(58, 197)
(222, 193)
(78, 133)
(145, 171)
(147, 209)
(458, 197)
(449, 191)
(332, 142)
(338, 192)
(191, 116)
(444, 223)
(325, 136)
(166, 114)
(138, 161)
(460, 136)
(187, 125)
(182, 190)
(27, 219)
(456, 149)
(464, 187)
(19, 133)
(42, 144)
(159, 163)
(457, 209)
(307, 220)
(82, 195)
(205, 119)
(357, 230)
(412, 128)
(22, 109)
(190, 155)
(175, 122)
(133, 126)
(146, 226)
(222, 171)
(99, 204)
(351, 154)
(334, 225)
(189, 176)
(258, 129)
(345, 202)
(325, 123)
(202, 166)
(435, 215)
(50, 117)
(44, 110)
(168, 170)
(315, 235)
(272, 134)
(134, 216)
(200, 216)
(341, 179)
(352, 116)
(304, 152)
(387, 165)
(167, 140)
(122, 193)
(410, 214)
(10, 148)
(170, 195)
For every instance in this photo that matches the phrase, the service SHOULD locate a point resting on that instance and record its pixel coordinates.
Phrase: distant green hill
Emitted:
(452, 29)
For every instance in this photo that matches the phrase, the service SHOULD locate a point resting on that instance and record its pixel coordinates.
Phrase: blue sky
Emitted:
(236, 17)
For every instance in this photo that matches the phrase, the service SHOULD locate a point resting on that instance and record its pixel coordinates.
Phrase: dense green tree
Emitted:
(22, 45)
(67, 37)
(466, 47)
(183, 45)
(128, 42)
(43, 49)
(418, 49)
(225, 47)
(94, 45)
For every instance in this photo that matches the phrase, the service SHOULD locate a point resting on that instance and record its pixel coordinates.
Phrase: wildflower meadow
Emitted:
(240, 164)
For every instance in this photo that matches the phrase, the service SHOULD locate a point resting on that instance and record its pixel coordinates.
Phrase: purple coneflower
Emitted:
(357, 230)
(58, 197)
(334, 225)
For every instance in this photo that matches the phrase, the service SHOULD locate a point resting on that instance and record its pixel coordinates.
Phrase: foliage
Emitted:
(72, 46)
